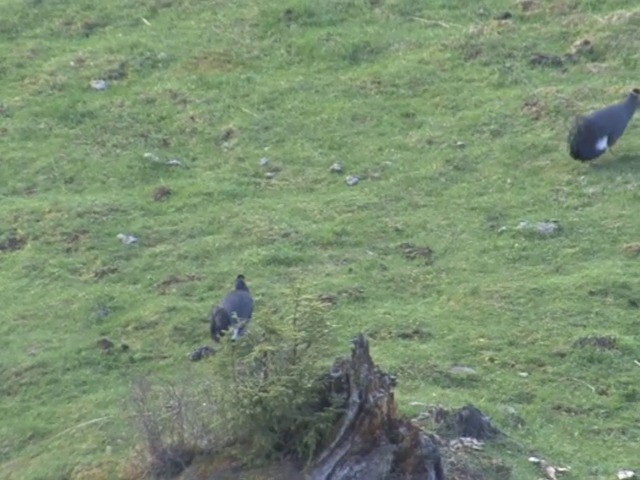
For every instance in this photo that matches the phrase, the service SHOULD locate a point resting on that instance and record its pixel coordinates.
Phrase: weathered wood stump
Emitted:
(372, 442)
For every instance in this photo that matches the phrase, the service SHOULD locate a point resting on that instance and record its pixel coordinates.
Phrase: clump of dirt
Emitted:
(12, 241)
(73, 240)
(166, 285)
(528, 5)
(411, 251)
(352, 294)
(227, 135)
(608, 342)
(408, 333)
(583, 46)
(631, 249)
(328, 299)
(415, 333)
(105, 345)
(104, 271)
(551, 60)
(162, 193)
(534, 108)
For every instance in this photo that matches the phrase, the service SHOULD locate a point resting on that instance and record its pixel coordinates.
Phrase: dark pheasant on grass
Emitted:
(233, 312)
(594, 134)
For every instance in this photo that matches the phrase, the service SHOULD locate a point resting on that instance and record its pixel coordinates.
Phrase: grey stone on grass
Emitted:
(352, 180)
(152, 157)
(99, 84)
(462, 370)
(200, 353)
(127, 239)
(336, 168)
(545, 228)
(594, 134)
(626, 474)
(233, 312)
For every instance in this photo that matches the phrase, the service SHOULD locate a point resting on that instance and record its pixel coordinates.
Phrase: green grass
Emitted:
(388, 88)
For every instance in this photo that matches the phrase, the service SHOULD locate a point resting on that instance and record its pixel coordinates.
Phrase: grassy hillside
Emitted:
(455, 120)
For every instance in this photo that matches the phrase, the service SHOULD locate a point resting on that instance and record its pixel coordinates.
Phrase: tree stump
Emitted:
(372, 442)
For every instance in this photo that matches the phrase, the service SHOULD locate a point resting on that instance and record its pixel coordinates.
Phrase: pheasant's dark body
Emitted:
(234, 311)
(594, 134)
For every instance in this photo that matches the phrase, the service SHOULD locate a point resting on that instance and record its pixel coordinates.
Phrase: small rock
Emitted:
(582, 47)
(548, 470)
(547, 228)
(99, 85)
(411, 251)
(515, 419)
(151, 156)
(626, 474)
(462, 370)
(264, 161)
(352, 180)
(127, 239)
(270, 175)
(336, 168)
(461, 144)
(200, 353)
(467, 443)
(553, 470)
